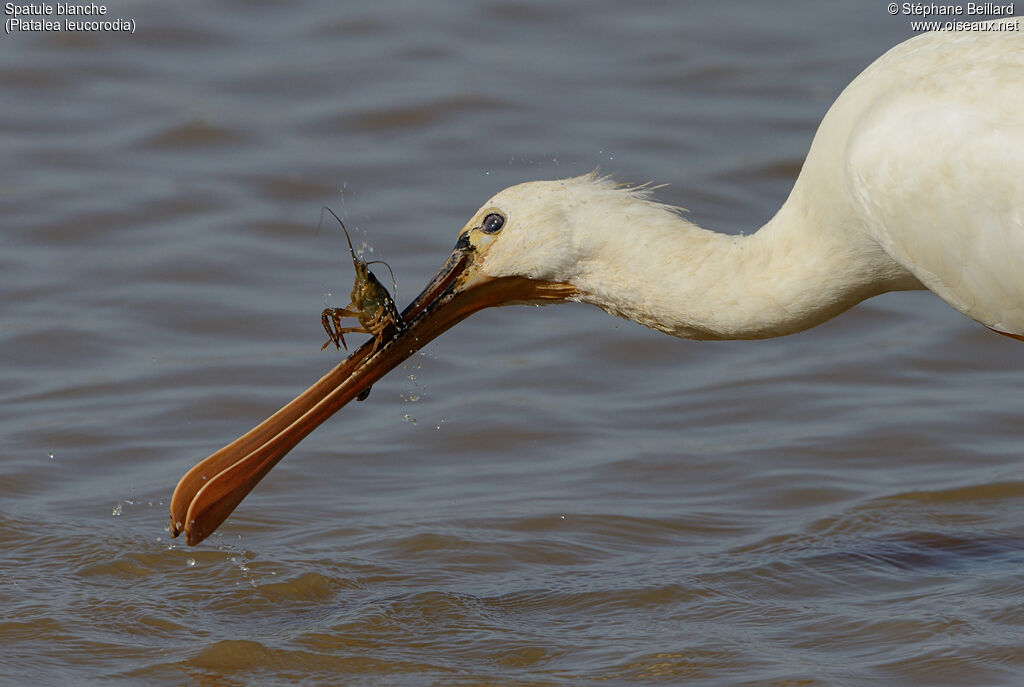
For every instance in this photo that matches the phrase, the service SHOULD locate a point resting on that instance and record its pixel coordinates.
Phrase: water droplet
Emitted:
(118, 508)
(190, 562)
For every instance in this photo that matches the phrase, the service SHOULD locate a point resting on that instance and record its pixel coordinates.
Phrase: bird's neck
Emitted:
(794, 273)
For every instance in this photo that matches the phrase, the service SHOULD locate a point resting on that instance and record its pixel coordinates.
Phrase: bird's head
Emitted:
(543, 241)
(530, 231)
(519, 247)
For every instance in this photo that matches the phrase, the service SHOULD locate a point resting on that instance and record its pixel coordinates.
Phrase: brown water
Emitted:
(543, 496)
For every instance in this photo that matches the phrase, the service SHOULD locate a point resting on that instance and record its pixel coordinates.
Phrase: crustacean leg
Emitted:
(331, 319)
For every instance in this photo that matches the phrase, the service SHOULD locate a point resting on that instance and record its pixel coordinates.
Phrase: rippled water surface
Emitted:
(542, 496)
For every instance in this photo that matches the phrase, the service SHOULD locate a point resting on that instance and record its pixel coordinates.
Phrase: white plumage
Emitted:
(915, 179)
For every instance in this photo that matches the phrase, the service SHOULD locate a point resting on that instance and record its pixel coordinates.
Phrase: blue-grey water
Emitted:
(542, 496)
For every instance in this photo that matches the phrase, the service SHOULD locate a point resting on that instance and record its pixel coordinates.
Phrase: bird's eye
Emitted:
(492, 223)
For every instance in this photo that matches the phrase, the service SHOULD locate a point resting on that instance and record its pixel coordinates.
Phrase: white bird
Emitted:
(915, 179)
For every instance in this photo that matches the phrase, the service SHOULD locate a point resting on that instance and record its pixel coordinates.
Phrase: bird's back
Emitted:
(934, 166)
